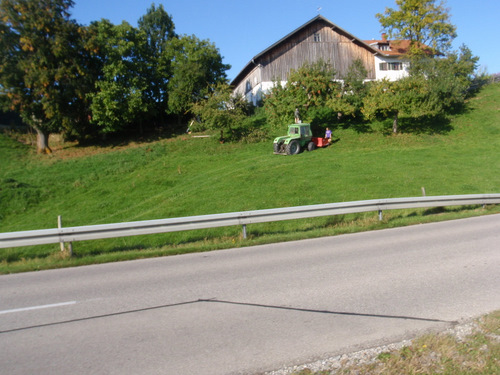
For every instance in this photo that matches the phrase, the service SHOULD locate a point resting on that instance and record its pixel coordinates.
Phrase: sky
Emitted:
(241, 29)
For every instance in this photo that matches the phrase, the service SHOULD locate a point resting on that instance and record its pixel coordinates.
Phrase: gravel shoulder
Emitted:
(367, 356)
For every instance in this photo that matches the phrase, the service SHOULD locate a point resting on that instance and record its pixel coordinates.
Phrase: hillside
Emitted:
(193, 176)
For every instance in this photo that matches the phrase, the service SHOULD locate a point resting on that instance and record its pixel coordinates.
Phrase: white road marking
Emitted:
(37, 307)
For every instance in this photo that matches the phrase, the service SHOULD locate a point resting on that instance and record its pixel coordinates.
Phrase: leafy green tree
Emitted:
(89, 65)
(196, 65)
(119, 100)
(220, 110)
(423, 22)
(279, 105)
(84, 81)
(349, 101)
(40, 65)
(381, 102)
(409, 97)
(433, 89)
(453, 77)
(160, 30)
(312, 84)
(308, 88)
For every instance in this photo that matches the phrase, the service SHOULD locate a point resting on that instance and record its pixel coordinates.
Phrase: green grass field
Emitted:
(187, 176)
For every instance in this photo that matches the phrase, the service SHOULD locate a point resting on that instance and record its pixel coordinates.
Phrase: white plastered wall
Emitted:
(391, 75)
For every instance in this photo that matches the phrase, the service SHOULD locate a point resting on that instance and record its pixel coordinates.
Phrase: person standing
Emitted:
(297, 116)
(328, 135)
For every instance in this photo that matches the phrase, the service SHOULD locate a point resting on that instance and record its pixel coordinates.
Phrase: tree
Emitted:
(220, 110)
(308, 89)
(409, 97)
(435, 86)
(84, 81)
(423, 22)
(454, 76)
(349, 101)
(119, 100)
(431, 91)
(381, 101)
(279, 105)
(196, 64)
(312, 84)
(40, 64)
(159, 28)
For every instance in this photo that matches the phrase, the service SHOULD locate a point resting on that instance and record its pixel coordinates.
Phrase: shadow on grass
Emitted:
(422, 125)
(330, 222)
(164, 244)
(436, 211)
(426, 125)
(360, 127)
(443, 210)
(128, 136)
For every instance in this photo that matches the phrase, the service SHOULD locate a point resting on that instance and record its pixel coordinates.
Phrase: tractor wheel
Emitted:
(293, 148)
(311, 146)
(276, 147)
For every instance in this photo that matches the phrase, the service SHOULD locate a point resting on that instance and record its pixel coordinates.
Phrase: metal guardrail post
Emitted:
(61, 244)
(59, 225)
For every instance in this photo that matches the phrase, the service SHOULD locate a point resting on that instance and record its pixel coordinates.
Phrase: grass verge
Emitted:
(449, 353)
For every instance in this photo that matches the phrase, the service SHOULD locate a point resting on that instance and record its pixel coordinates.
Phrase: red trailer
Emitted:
(320, 142)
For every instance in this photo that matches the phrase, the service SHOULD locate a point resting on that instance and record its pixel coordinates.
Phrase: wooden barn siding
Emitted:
(334, 48)
(254, 77)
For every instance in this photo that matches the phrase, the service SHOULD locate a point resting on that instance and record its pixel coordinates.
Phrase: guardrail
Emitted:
(95, 232)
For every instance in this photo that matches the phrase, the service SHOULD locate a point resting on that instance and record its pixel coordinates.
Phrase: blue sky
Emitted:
(241, 29)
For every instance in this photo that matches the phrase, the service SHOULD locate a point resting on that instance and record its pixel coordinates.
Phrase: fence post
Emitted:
(379, 215)
(59, 225)
(244, 231)
(70, 245)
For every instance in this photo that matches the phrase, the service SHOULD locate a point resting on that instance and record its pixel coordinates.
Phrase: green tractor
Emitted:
(299, 138)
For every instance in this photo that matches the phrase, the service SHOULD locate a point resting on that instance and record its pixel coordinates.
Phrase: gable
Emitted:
(315, 40)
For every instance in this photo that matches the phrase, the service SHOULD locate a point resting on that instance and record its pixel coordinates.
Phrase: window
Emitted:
(391, 66)
(248, 87)
(384, 47)
(317, 37)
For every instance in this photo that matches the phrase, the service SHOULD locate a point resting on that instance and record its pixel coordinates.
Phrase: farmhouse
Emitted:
(320, 39)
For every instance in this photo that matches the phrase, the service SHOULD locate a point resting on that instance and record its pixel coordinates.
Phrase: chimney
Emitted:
(384, 37)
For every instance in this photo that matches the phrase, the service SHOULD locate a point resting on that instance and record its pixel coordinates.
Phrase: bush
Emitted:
(254, 128)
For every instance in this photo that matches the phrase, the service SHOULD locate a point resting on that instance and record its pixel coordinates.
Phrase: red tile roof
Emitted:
(397, 47)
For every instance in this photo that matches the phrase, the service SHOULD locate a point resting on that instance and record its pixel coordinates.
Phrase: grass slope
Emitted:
(195, 176)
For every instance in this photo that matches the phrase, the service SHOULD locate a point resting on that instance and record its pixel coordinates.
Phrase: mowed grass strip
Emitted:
(187, 176)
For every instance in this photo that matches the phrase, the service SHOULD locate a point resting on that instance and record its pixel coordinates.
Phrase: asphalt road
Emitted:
(249, 310)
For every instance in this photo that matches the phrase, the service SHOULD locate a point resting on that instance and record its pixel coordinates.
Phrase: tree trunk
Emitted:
(395, 124)
(42, 141)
